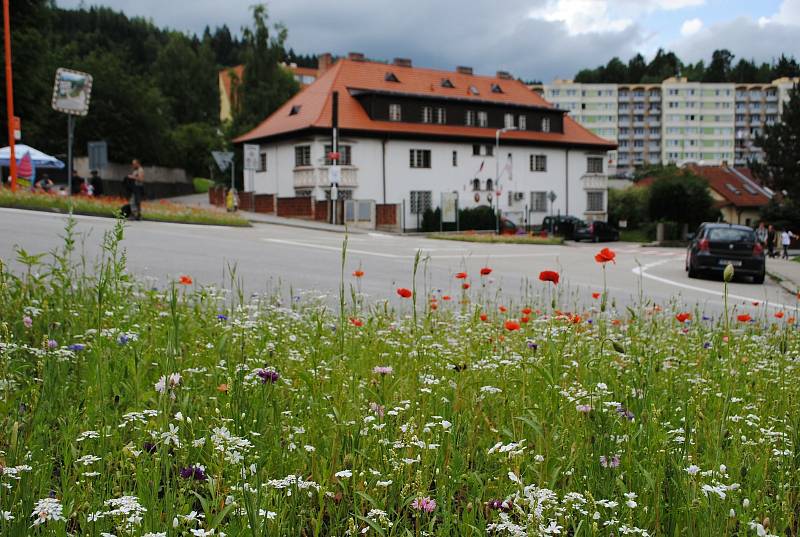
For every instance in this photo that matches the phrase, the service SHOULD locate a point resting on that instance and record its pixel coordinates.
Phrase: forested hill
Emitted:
(721, 68)
(155, 94)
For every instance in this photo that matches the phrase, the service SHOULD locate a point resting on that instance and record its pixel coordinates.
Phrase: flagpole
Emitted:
(12, 161)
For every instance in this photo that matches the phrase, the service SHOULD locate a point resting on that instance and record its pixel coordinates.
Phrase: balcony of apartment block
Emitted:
(309, 177)
(772, 98)
(654, 97)
(772, 110)
(638, 98)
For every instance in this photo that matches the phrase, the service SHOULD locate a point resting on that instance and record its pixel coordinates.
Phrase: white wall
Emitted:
(442, 176)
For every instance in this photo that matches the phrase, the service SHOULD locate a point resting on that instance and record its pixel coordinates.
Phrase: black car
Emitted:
(714, 246)
(596, 232)
(564, 226)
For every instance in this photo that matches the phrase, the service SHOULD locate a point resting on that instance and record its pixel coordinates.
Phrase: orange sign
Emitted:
(17, 128)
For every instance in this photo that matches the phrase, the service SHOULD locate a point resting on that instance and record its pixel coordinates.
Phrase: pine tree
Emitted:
(781, 145)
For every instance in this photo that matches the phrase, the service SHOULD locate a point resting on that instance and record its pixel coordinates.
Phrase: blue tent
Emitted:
(38, 159)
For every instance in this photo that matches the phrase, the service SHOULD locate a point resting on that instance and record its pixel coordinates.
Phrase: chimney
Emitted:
(355, 56)
(464, 70)
(324, 62)
(505, 75)
(402, 62)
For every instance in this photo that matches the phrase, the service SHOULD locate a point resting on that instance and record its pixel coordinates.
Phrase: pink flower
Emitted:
(27, 321)
(382, 370)
(424, 504)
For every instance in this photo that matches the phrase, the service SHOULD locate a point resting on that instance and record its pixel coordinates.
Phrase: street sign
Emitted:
(17, 128)
(552, 196)
(449, 205)
(223, 159)
(98, 155)
(335, 175)
(72, 92)
(251, 156)
(334, 155)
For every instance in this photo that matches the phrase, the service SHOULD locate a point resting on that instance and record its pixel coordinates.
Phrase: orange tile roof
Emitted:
(346, 75)
(746, 194)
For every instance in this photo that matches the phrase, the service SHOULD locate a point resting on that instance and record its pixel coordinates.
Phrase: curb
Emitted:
(300, 224)
(781, 281)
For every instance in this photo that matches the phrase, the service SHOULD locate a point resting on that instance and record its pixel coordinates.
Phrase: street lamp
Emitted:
(497, 173)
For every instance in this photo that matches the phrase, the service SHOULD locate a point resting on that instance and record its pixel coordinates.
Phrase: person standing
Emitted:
(136, 178)
(77, 182)
(761, 233)
(771, 239)
(786, 240)
(97, 183)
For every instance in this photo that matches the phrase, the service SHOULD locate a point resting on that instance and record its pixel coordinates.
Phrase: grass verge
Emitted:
(492, 238)
(159, 211)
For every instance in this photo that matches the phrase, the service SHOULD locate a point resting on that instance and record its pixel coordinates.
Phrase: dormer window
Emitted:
(446, 83)
(496, 88)
(545, 124)
(473, 90)
(295, 110)
(390, 77)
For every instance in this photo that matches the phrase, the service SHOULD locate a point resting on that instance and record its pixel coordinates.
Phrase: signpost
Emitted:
(72, 92)
(98, 155)
(17, 128)
(251, 158)
(9, 97)
(449, 204)
(224, 160)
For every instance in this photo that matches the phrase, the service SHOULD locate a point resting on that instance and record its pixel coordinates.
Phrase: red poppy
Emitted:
(434, 305)
(185, 280)
(616, 322)
(526, 311)
(222, 388)
(465, 285)
(595, 295)
(549, 276)
(461, 275)
(511, 325)
(524, 319)
(485, 271)
(355, 321)
(575, 319)
(779, 315)
(790, 320)
(484, 317)
(502, 309)
(403, 292)
(358, 273)
(683, 317)
(605, 255)
(743, 318)
(445, 297)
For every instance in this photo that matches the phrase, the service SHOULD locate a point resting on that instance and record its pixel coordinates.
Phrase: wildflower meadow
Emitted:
(183, 409)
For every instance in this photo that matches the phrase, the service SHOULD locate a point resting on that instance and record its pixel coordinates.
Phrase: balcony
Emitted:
(309, 177)
(595, 181)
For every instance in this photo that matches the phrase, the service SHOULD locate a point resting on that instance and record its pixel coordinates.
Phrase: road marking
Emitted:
(642, 271)
(467, 253)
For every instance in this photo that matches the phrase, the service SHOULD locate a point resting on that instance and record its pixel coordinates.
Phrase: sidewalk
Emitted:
(201, 200)
(785, 272)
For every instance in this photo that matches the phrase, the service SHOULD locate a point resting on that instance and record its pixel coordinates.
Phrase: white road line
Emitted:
(467, 253)
(642, 271)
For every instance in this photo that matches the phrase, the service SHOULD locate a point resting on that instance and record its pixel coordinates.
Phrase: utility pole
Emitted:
(12, 164)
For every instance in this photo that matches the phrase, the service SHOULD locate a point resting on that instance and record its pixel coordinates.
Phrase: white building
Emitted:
(407, 135)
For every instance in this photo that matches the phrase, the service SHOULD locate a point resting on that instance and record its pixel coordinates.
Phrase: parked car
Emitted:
(714, 246)
(596, 232)
(507, 227)
(561, 225)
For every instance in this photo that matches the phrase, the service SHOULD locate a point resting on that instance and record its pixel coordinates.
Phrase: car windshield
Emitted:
(729, 235)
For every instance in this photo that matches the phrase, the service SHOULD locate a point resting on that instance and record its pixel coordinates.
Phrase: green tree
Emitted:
(630, 204)
(781, 145)
(678, 196)
(719, 70)
(266, 85)
(193, 143)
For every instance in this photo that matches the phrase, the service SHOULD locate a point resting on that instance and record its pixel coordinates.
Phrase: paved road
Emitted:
(269, 257)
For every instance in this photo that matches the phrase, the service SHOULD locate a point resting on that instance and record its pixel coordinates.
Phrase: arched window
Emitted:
(476, 184)
(489, 185)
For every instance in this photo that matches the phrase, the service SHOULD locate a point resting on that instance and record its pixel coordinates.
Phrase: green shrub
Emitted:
(201, 185)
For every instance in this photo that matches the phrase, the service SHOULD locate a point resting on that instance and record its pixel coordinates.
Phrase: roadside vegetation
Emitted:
(193, 410)
(492, 238)
(161, 210)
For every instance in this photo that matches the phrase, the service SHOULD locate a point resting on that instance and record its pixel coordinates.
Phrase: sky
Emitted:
(532, 39)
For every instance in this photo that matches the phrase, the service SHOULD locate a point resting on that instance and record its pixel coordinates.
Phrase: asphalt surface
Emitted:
(292, 261)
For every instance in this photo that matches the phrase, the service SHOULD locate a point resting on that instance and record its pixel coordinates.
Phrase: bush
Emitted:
(477, 218)
(681, 197)
(630, 205)
(201, 185)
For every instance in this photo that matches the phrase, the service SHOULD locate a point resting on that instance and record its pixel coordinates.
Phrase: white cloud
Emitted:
(581, 16)
(788, 13)
(691, 26)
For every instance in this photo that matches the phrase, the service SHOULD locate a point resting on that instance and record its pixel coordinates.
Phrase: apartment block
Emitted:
(676, 121)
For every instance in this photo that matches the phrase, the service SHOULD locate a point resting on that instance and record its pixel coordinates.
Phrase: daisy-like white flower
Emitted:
(344, 473)
(47, 509)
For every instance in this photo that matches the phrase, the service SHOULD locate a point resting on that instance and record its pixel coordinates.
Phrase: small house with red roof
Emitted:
(737, 194)
(407, 135)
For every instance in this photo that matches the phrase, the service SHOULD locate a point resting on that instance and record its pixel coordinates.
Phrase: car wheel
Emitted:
(595, 239)
(692, 271)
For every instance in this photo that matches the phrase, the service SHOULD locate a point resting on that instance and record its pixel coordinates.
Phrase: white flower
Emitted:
(746, 503)
(202, 532)
(159, 534)
(446, 424)
(175, 379)
(86, 460)
(47, 509)
(161, 385)
(513, 477)
(171, 436)
(6, 515)
(344, 473)
(692, 470)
